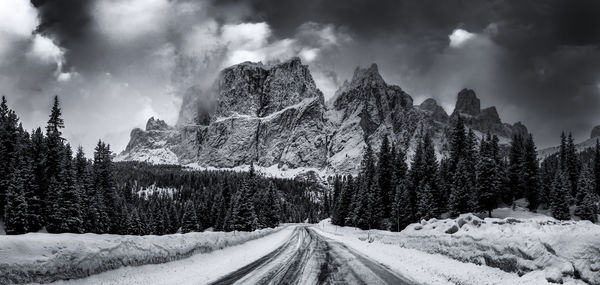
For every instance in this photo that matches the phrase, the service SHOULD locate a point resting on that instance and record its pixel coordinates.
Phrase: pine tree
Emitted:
(54, 157)
(243, 216)
(104, 185)
(337, 190)
(585, 184)
(224, 207)
(597, 167)
(562, 153)
(70, 208)
(458, 144)
(572, 164)
(428, 202)
(488, 181)
(560, 197)
(586, 197)
(385, 173)
(402, 210)
(515, 170)
(271, 213)
(189, 222)
(529, 174)
(343, 208)
(461, 195)
(134, 224)
(588, 208)
(9, 136)
(17, 212)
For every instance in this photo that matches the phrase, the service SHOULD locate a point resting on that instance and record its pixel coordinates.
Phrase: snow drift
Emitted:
(43, 258)
(559, 249)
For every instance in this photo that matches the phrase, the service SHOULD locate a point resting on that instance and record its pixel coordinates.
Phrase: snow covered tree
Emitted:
(488, 179)
(134, 225)
(560, 197)
(70, 206)
(428, 204)
(270, 217)
(461, 195)
(597, 167)
(243, 216)
(586, 200)
(17, 213)
(402, 210)
(104, 184)
(9, 136)
(343, 208)
(529, 174)
(514, 169)
(385, 173)
(572, 164)
(189, 221)
(224, 207)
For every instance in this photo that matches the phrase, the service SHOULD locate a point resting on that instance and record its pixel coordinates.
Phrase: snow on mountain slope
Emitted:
(37, 257)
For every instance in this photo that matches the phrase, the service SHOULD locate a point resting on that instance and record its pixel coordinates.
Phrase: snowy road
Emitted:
(310, 258)
(297, 254)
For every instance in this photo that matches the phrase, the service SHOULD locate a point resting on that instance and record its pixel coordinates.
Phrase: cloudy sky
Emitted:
(115, 63)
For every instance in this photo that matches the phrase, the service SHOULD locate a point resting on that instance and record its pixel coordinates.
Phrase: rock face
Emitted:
(467, 103)
(595, 132)
(274, 115)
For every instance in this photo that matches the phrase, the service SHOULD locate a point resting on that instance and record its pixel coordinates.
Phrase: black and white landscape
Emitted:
(299, 142)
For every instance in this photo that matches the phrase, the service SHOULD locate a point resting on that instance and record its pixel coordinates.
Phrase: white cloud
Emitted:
(18, 20)
(246, 35)
(44, 49)
(18, 17)
(459, 37)
(129, 20)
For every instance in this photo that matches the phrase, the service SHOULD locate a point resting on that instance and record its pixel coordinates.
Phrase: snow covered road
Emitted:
(297, 254)
(310, 258)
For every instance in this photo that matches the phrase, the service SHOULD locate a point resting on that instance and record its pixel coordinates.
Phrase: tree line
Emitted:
(43, 185)
(475, 176)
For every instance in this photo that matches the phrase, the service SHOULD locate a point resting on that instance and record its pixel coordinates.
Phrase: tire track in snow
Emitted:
(309, 258)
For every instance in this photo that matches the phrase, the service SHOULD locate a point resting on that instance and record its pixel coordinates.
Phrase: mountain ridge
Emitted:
(275, 116)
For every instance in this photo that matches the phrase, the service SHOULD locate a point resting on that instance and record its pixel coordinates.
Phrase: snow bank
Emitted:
(422, 267)
(37, 257)
(540, 245)
(559, 249)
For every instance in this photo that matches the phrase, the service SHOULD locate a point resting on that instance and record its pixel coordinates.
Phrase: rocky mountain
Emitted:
(275, 116)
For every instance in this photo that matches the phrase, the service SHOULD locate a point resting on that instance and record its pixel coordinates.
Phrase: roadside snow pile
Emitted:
(559, 249)
(423, 267)
(37, 257)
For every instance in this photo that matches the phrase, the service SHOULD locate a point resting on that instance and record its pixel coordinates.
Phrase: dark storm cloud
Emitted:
(68, 20)
(538, 61)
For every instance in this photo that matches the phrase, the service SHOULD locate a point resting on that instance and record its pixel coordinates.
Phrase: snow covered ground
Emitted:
(38, 257)
(490, 251)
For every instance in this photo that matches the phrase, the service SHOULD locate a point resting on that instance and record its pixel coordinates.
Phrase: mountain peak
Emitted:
(367, 75)
(467, 103)
(156, 125)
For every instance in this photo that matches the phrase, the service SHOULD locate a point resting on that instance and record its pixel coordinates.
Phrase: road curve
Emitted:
(310, 258)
